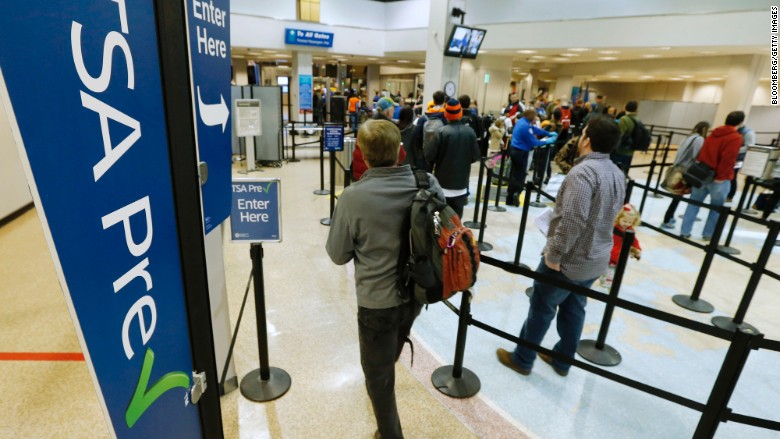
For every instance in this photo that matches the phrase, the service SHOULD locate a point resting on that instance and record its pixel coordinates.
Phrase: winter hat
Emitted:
(385, 103)
(453, 111)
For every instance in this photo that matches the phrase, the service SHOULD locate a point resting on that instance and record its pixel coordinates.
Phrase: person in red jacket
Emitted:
(627, 219)
(719, 152)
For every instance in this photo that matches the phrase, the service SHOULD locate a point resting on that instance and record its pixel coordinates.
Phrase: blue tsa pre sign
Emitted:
(98, 166)
(209, 32)
(333, 137)
(256, 214)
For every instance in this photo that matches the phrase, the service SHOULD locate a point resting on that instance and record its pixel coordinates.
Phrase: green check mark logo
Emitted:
(143, 398)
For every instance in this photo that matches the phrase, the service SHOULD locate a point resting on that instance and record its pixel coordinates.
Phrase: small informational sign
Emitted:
(248, 117)
(303, 37)
(304, 93)
(487, 78)
(333, 137)
(256, 213)
(759, 161)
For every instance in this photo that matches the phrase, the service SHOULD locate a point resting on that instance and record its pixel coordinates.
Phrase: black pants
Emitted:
(457, 203)
(382, 333)
(733, 189)
(622, 161)
(517, 176)
(542, 165)
(670, 211)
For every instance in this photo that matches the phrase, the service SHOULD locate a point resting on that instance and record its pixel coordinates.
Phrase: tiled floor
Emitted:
(312, 335)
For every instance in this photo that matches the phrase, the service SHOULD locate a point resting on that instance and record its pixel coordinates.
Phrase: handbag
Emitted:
(674, 181)
(699, 174)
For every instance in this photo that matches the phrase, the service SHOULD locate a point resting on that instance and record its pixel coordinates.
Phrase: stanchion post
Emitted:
(629, 191)
(292, 131)
(726, 247)
(647, 185)
(662, 166)
(750, 290)
(694, 303)
(599, 351)
(476, 224)
(657, 145)
(266, 383)
(484, 246)
(457, 381)
(538, 178)
(717, 409)
(496, 207)
(322, 190)
(523, 222)
(332, 192)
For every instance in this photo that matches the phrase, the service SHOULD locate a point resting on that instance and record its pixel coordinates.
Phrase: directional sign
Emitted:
(256, 214)
(333, 136)
(303, 37)
(209, 33)
(96, 159)
(304, 92)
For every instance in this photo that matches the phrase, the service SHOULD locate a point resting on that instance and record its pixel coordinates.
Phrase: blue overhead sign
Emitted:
(333, 137)
(94, 146)
(256, 214)
(209, 32)
(303, 37)
(304, 93)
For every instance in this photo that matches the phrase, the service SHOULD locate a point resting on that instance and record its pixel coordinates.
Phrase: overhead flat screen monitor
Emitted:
(464, 42)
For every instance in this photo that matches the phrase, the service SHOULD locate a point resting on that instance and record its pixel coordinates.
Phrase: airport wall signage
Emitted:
(209, 33)
(333, 135)
(304, 37)
(97, 162)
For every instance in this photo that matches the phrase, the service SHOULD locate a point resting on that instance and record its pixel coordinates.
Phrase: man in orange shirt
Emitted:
(354, 105)
(719, 152)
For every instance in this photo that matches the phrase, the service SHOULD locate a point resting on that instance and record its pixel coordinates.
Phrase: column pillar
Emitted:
(239, 71)
(301, 65)
(440, 69)
(563, 88)
(740, 86)
(372, 82)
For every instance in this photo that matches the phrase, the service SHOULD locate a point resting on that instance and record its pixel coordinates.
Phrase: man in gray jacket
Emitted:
(452, 156)
(367, 226)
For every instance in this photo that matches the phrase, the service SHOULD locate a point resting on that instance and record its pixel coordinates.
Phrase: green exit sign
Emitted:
(487, 78)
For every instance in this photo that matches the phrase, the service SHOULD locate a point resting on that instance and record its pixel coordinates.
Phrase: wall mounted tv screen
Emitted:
(464, 42)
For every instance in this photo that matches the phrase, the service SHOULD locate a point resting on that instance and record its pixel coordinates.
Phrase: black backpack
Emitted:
(639, 136)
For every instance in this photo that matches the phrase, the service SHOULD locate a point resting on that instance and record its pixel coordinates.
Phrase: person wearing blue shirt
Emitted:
(523, 141)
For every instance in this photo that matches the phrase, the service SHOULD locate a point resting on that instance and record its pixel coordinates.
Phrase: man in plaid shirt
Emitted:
(579, 242)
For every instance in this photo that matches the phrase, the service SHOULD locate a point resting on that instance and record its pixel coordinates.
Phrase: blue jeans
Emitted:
(717, 193)
(571, 317)
(353, 121)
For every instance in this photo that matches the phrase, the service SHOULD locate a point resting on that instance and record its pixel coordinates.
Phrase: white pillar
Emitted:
(239, 71)
(440, 69)
(563, 87)
(740, 86)
(301, 65)
(372, 82)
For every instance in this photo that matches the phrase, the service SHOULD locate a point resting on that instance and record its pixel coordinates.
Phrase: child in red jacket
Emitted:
(627, 219)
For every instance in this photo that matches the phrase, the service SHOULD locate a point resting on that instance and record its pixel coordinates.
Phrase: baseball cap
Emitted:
(385, 103)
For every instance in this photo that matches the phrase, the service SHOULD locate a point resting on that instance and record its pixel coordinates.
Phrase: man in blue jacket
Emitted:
(523, 141)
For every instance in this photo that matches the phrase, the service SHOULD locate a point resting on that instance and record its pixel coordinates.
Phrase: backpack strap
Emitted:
(422, 179)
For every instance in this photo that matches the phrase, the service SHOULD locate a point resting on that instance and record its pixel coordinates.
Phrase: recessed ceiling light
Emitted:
(560, 59)
(372, 59)
(538, 57)
(717, 79)
(651, 55)
(609, 52)
(647, 77)
(579, 49)
(607, 58)
(686, 76)
(613, 77)
(269, 51)
(675, 79)
(570, 54)
(664, 48)
(708, 52)
(526, 51)
(403, 61)
(544, 70)
(282, 55)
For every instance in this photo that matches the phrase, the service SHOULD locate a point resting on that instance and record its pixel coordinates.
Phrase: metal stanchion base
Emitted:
(473, 225)
(493, 208)
(654, 195)
(608, 356)
(322, 192)
(258, 390)
(325, 221)
(777, 243)
(537, 204)
(750, 212)
(466, 386)
(728, 250)
(681, 216)
(484, 246)
(295, 160)
(698, 305)
(728, 324)
(529, 292)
